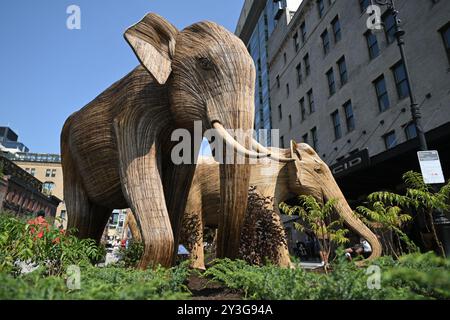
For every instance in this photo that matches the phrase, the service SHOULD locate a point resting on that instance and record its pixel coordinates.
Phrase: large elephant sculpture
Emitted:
(307, 175)
(116, 151)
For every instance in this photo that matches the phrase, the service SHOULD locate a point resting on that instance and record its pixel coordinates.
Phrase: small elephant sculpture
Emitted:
(307, 175)
(116, 151)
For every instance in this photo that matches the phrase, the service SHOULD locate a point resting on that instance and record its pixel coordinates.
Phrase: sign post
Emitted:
(430, 165)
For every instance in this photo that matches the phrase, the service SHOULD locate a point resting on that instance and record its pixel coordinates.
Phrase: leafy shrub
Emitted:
(42, 245)
(110, 283)
(261, 236)
(130, 257)
(414, 276)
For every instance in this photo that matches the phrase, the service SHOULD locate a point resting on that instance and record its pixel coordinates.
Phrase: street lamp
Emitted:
(414, 107)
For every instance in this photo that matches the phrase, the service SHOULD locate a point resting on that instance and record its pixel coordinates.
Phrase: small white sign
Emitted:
(430, 165)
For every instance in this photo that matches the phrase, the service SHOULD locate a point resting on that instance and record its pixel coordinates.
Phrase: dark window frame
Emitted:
(400, 82)
(325, 36)
(315, 140)
(372, 45)
(307, 65)
(311, 104)
(296, 42)
(298, 70)
(443, 31)
(380, 95)
(280, 112)
(349, 116)
(320, 8)
(303, 31)
(331, 80)
(389, 30)
(336, 32)
(363, 4)
(301, 103)
(407, 131)
(386, 143)
(337, 127)
(343, 74)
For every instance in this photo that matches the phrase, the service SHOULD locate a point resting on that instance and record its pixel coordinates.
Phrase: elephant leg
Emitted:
(88, 219)
(194, 221)
(140, 174)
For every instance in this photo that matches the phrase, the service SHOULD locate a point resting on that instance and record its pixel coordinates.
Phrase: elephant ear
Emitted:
(153, 41)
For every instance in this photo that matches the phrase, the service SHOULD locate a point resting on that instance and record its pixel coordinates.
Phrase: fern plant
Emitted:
(317, 217)
(419, 197)
(388, 219)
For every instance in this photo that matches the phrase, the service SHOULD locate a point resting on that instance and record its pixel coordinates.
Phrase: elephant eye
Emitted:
(205, 63)
(318, 169)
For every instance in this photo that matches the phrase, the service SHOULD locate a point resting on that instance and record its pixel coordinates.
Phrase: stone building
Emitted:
(256, 23)
(341, 87)
(47, 169)
(21, 192)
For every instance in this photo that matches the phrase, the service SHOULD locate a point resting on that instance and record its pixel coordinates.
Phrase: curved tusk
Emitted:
(229, 140)
(260, 148)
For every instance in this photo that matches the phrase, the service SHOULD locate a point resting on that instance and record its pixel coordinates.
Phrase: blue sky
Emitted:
(48, 71)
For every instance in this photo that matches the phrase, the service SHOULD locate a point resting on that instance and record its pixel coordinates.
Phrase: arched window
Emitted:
(47, 187)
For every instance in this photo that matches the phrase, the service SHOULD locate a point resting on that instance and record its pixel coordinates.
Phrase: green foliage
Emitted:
(262, 235)
(110, 283)
(415, 276)
(318, 218)
(388, 218)
(419, 197)
(45, 246)
(130, 257)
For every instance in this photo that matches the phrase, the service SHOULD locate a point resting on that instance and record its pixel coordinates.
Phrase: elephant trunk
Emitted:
(332, 191)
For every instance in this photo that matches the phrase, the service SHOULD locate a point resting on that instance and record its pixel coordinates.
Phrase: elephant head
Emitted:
(210, 77)
(311, 176)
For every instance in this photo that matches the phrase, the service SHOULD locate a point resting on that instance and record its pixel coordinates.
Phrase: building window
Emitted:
(301, 103)
(349, 117)
(336, 29)
(298, 69)
(336, 124)
(325, 41)
(363, 4)
(306, 63)
(47, 187)
(320, 8)
(47, 172)
(303, 31)
(312, 107)
(284, 57)
(446, 36)
(287, 89)
(382, 94)
(401, 81)
(342, 70)
(331, 82)
(33, 171)
(315, 143)
(63, 214)
(27, 170)
(305, 138)
(282, 141)
(410, 131)
(389, 27)
(278, 82)
(296, 42)
(280, 113)
(390, 140)
(372, 44)
(53, 173)
(290, 122)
